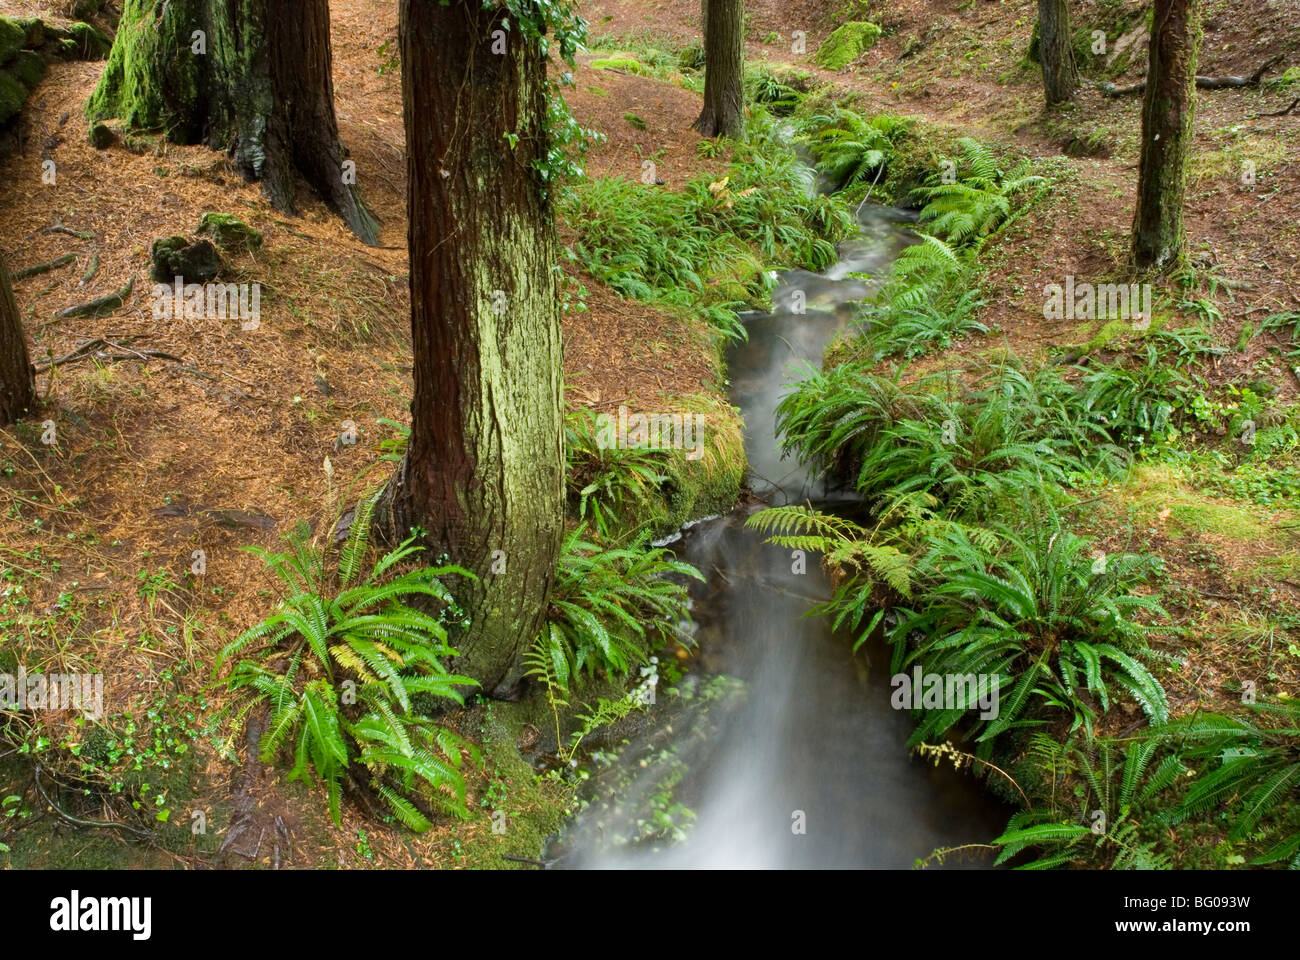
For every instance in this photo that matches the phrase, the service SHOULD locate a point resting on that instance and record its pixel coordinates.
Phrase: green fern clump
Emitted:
(973, 450)
(1136, 402)
(611, 486)
(344, 666)
(1113, 816)
(978, 203)
(850, 149)
(609, 608)
(1064, 628)
(1250, 770)
(709, 248)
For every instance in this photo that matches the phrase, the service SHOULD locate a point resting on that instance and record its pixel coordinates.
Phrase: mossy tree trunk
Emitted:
(1060, 72)
(724, 67)
(17, 385)
(250, 76)
(484, 472)
(1168, 110)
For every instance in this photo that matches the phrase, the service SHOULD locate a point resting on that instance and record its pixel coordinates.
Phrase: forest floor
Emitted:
(224, 448)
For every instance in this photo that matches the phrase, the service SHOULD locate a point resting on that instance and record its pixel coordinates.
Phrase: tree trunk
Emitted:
(724, 65)
(1168, 108)
(250, 76)
(484, 472)
(1060, 72)
(17, 385)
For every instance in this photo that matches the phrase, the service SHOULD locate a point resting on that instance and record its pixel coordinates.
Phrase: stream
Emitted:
(782, 749)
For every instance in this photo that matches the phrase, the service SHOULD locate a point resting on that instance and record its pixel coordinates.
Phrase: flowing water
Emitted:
(783, 750)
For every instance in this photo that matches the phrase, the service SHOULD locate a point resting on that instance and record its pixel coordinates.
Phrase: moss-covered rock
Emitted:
(101, 136)
(12, 97)
(85, 9)
(230, 232)
(177, 257)
(85, 41)
(12, 38)
(846, 44)
(28, 67)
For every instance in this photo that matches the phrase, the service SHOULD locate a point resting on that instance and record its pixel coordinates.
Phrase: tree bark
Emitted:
(724, 65)
(261, 88)
(484, 472)
(17, 383)
(1060, 72)
(1168, 109)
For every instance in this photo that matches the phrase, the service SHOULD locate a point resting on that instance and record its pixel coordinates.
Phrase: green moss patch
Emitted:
(230, 232)
(12, 38)
(12, 97)
(846, 44)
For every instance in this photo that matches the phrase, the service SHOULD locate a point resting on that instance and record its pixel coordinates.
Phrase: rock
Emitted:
(101, 136)
(177, 257)
(12, 97)
(27, 67)
(85, 9)
(80, 41)
(846, 44)
(34, 28)
(231, 233)
(12, 38)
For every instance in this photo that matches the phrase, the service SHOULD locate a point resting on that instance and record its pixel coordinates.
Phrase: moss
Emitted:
(144, 80)
(91, 42)
(12, 38)
(534, 808)
(27, 68)
(626, 64)
(710, 484)
(12, 97)
(230, 232)
(846, 44)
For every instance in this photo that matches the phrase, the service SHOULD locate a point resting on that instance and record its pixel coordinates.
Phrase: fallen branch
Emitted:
(93, 308)
(40, 268)
(101, 349)
(1202, 83)
(1280, 113)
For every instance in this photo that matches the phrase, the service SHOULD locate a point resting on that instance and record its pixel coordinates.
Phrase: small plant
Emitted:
(388, 62)
(349, 671)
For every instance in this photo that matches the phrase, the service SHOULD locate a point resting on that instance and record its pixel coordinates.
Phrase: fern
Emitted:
(373, 659)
